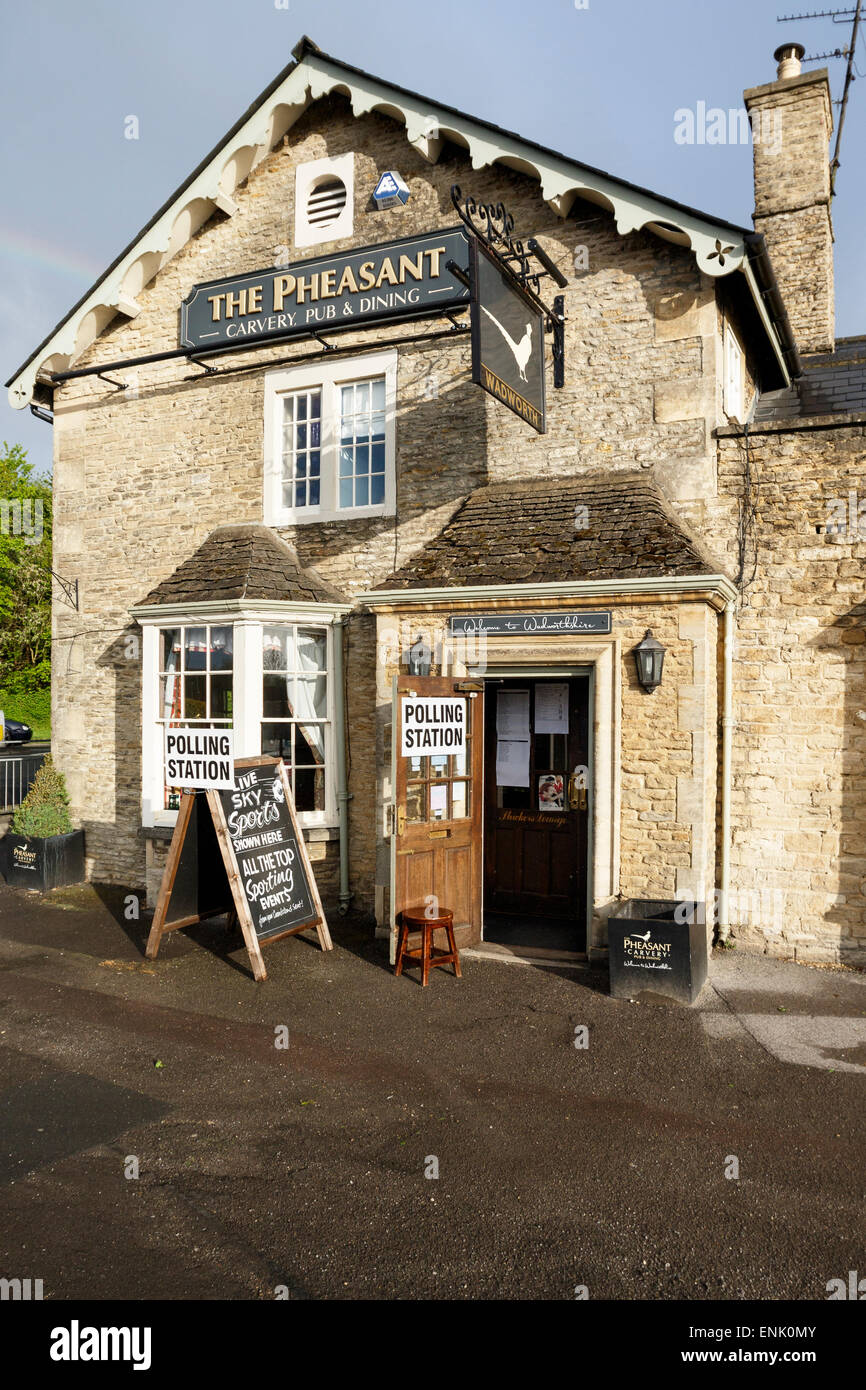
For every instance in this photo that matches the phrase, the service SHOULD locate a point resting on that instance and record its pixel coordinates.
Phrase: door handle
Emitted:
(576, 794)
(401, 820)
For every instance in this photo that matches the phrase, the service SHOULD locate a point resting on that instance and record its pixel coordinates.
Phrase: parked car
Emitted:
(17, 732)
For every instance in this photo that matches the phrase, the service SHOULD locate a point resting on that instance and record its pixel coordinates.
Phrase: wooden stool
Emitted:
(416, 919)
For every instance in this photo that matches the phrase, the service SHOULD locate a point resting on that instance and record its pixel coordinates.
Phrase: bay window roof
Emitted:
(248, 562)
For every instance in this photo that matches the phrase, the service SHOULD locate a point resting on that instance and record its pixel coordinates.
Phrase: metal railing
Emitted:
(16, 778)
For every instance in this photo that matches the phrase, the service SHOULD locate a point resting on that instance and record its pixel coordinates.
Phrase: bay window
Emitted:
(266, 675)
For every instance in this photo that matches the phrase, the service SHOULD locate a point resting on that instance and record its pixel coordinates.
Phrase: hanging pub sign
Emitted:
(507, 338)
(395, 279)
(240, 851)
(542, 624)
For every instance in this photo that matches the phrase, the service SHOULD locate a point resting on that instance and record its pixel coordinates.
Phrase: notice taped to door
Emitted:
(432, 725)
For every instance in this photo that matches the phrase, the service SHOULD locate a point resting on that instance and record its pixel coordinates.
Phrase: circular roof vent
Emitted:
(325, 201)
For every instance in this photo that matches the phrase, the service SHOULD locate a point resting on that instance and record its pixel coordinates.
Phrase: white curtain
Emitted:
(310, 687)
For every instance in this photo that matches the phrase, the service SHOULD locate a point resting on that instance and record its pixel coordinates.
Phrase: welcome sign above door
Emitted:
(395, 279)
(508, 624)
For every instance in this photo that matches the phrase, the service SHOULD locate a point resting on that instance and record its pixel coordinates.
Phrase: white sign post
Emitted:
(201, 759)
(433, 725)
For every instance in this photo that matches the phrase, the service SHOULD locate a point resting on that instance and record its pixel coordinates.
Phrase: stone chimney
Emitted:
(792, 121)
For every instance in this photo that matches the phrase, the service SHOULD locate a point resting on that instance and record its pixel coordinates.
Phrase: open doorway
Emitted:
(536, 812)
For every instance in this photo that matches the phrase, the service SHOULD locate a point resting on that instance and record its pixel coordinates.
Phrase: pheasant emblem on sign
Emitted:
(522, 350)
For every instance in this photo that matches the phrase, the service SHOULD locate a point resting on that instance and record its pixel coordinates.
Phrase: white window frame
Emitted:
(734, 374)
(329, 377)
(247, 695)
(306, 177)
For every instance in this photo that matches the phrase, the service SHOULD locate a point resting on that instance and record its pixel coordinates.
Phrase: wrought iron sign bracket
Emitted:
(69, 587)
(118, 385)
(493, 225)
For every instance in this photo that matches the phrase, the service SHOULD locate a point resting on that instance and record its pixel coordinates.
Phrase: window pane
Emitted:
(416, 802)
(311, 651)
(170, 649)
(194, 705)
(309, 744)
(362, 398)
(439, 765)
(195, 649)
(439, 801)
(379, 393)
(345, 492)
(417, 766)
(316, 404)
(459, 800)
(221, 648)
(377, 488)
(275, 698)
(274, 649)
(346, 461)
(362, 459)
(378, 458)
(169, 698)
(314, 493)
(221, 697)
(301, 404)
(310, 789)
(277, 741)
(362, 492)
(458, 763)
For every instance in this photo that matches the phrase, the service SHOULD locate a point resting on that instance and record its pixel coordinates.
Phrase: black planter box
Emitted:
(650, 952)
(42, 864)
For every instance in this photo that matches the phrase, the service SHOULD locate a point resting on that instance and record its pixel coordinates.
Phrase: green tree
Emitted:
(25, 577)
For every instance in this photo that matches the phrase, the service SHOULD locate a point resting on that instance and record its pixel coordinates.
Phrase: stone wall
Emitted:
(799, 744)
(142, 475)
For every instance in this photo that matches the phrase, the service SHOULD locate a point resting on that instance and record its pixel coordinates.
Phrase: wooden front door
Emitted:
(537, 799)
(436, 844)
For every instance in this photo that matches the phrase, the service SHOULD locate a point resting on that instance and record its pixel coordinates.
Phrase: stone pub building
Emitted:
(287, 503)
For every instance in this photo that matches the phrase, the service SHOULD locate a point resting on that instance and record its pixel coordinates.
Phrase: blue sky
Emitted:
(599, 81)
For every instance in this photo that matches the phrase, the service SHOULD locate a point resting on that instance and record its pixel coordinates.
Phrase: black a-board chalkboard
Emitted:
(267, 848)
(241, 850)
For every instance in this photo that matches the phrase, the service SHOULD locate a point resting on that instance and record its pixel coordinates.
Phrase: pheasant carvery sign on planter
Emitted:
(507, 339)
(242, 852)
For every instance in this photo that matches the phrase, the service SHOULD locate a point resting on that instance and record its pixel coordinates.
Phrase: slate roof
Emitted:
(833, 383)
(524, 532)
(242, 562)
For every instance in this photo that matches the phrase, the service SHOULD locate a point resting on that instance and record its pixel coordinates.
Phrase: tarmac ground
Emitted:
(452, 1142)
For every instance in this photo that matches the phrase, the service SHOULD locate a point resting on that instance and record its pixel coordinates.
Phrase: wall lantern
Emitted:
(420, 657)
(649, 657)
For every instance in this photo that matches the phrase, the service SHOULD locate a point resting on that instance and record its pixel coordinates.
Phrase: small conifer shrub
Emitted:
(45, 809)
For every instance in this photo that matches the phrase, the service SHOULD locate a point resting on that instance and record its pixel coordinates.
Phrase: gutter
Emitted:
(713, 586)
(724, 924)
(768, 286)
(343, 793)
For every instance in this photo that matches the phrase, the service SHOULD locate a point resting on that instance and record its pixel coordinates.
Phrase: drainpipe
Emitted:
(727, 736)
(343, 795)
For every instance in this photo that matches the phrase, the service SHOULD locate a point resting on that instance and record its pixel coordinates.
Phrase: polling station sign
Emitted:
(432, 725)
(199, 758)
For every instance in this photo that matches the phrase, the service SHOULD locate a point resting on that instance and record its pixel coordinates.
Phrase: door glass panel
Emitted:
(438, 802)
(416, 795)
(416, 766)
(439, 765)
(460, 762)
(459, 800)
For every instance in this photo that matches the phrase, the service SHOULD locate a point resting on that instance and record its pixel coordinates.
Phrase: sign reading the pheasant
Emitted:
(507, 339)
(396, 279)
